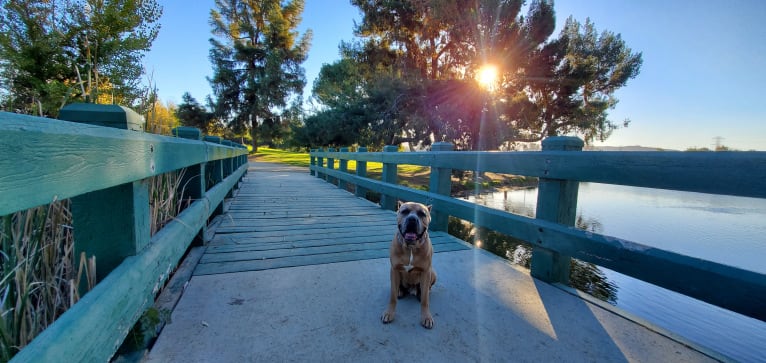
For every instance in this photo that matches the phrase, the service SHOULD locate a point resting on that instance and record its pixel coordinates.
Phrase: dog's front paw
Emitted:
(387, 317)
(427, 321)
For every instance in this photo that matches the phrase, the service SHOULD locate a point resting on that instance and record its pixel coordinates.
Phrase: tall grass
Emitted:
(165, 191)
(40, 276)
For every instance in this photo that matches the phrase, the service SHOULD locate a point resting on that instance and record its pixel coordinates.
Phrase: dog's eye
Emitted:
(404, 211)
(421, 214)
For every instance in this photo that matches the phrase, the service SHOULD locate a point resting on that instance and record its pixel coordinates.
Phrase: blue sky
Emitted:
(703, 76)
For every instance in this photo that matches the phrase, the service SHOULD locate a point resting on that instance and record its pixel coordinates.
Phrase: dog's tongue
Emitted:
(411, 236)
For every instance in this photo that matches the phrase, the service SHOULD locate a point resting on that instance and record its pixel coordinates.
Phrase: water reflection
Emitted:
(728, 230)
(583, 276)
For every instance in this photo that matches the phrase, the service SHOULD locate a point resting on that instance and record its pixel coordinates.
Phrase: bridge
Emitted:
(294, 265)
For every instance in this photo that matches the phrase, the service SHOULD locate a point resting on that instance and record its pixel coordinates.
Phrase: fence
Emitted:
(561, 166)
(104, 170)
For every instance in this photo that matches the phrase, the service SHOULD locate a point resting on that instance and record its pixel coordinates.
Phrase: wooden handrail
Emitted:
(46, 160)
(726, 173)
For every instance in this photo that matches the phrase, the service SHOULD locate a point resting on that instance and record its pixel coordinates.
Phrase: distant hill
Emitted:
(625, 148)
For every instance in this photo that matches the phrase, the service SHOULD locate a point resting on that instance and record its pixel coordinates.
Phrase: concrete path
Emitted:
(484, 308)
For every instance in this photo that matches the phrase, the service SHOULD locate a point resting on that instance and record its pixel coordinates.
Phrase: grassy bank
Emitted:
(412, 176)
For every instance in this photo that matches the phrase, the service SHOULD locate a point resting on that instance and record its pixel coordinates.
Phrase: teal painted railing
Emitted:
(104, 170)
(561, 166)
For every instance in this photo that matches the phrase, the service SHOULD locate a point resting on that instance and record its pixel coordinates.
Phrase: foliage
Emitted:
(57, 52)
(161, 118)
(192, 113)
(256, 56)
(414, 77)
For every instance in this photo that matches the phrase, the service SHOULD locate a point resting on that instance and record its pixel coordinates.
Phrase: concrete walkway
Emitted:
(485, 310)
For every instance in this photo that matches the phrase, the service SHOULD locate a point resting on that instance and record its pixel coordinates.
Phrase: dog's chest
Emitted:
(408, 267)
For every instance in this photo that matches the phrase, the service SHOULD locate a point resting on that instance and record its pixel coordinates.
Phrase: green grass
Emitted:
(302, 159)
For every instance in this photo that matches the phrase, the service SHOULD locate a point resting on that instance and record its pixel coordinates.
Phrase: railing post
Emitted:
(440, 182)
(389, 176)
(214, 173)
(330, 165)
(111, 223)
(361, 171)
(320, 163)
(192, 184)
(312, 161)
(556, 202)
(228, 168)
(343, 167)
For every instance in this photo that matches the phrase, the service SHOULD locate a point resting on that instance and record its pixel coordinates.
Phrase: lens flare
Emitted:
(487, 76)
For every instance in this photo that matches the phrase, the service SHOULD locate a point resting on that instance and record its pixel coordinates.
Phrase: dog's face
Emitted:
(412, 220)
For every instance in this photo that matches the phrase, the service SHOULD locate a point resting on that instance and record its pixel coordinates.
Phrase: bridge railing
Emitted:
(560, 167)
(104, 171)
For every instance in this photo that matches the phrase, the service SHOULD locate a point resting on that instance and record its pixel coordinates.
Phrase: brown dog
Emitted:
(410, 255)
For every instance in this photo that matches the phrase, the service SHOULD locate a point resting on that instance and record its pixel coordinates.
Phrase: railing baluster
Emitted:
(556, 202)
(215, 172)
(361, 171)
(330, 165)
(120, 214)
(312, 161)
(320, 163)
(343, 167)
(440, 182)
(389, 176)
(192, 184)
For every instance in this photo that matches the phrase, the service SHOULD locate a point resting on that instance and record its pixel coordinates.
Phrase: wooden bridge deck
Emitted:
(298, 271)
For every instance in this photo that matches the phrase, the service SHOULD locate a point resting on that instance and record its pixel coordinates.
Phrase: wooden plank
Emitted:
(263, 246)
(302, 244)
(247, 237)
(256, 265)
(284, 225)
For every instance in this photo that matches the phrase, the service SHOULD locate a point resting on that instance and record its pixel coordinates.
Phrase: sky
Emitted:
(703, 75)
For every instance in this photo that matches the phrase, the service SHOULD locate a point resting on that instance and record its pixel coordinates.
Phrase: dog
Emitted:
(411, 254)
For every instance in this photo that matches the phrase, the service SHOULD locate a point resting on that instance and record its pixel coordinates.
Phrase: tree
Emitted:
(570, 85)
(111, 37)
(192, 113)
(34, 71)
(256, 55)
(161, 118)
(55, 52)
(545, 86)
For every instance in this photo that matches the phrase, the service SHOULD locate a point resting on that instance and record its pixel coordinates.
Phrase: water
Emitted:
(729, 230)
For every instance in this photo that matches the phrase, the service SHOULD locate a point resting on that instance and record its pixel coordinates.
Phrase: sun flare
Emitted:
(487, 76)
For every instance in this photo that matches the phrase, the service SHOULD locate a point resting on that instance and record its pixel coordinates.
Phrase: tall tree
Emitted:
(55, 52)
(192, 113)
(35, 70)
(545, 85)
(256, 55)
(111, 37)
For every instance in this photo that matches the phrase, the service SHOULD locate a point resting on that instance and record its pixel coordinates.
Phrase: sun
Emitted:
(487, 76)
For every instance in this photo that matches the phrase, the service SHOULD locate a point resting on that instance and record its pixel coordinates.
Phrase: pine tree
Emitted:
(256, 55)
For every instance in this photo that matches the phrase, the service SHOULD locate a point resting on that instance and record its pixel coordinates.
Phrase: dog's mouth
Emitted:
(410, 231)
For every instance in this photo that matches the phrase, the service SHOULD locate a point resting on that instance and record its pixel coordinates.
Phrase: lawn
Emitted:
(413, 176)
(302, 159)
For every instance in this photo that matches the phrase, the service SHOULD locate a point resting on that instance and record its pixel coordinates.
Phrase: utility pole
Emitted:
(717, 144)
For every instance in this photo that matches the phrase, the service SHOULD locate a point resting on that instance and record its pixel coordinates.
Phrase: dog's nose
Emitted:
(411, 224)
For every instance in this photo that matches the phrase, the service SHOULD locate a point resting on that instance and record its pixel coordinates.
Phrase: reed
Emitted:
(40, 276)
(40, 273)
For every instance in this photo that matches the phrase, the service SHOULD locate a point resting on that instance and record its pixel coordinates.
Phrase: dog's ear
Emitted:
(399, 204)
(429, 207)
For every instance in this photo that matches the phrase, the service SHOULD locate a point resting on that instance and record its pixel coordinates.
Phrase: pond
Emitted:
(729, 230)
